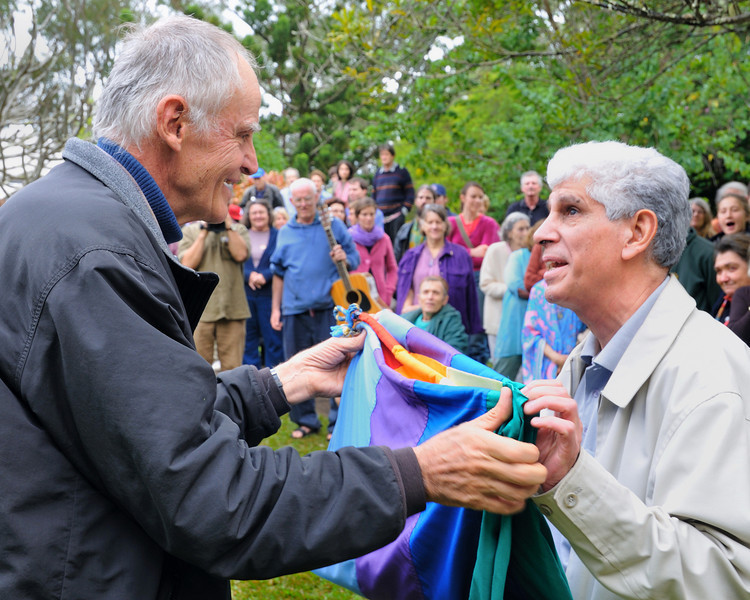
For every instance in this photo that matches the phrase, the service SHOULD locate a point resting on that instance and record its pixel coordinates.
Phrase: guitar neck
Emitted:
(340, 264)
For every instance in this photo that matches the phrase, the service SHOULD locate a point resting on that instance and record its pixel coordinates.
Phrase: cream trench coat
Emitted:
(662, 511)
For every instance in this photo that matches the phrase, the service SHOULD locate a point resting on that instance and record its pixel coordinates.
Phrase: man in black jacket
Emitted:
(127, 469)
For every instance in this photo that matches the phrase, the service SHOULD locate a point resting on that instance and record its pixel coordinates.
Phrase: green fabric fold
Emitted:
(516, 556)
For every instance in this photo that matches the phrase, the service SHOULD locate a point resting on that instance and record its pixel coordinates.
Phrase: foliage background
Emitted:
(466, 89)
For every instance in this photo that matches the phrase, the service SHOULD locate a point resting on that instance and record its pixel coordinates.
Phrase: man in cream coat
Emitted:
(646, 433)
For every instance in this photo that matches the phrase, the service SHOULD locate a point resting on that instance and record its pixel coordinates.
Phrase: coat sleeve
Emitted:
(120, 389)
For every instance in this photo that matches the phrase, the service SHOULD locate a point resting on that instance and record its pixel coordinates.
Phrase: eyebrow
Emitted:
(250, 126)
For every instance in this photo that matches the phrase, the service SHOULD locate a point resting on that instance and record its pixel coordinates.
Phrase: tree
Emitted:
(55, 54)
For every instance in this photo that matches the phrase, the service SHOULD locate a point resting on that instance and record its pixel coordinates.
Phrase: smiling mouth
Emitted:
(553, 264)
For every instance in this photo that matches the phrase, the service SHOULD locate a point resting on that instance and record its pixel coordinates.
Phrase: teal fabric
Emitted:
(516, 558)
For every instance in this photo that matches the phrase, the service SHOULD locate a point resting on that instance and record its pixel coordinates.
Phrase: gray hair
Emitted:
(303, 182)
(531, 174)
(731, 187)
(176, 55)
(626, 179)
(510, 222)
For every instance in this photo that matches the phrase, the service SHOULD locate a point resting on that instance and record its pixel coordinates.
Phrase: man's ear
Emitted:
(170, 121)
(643, 226)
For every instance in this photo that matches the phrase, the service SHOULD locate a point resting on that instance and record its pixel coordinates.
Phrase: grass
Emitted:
(302, 585)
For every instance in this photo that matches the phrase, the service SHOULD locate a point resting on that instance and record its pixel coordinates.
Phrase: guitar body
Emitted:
(354, 288)
(362, 291)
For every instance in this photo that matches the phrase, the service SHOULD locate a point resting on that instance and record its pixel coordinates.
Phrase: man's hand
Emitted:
(320, 370)
(470, 465)
(276, 319)
(338, 254)
(559, 435)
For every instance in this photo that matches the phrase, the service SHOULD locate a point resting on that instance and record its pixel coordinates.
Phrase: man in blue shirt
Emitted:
(304, 268)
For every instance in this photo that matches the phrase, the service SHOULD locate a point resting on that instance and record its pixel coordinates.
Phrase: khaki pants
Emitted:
(229, 336)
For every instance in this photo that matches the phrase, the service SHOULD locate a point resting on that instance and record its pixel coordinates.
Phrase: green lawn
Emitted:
(301, 586)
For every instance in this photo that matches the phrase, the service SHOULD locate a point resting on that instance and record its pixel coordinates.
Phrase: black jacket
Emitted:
(126, 471)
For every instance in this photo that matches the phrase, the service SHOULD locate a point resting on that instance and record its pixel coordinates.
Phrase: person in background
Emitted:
(222, 249)
(410, 234)
(514, 233)
(337, 209)
(733, 214)
(290, 175)
(375, 249)
(262, 190)
(474, 231)
(645, 432)
(130, 469)
(304, 269)
(319, 179)
(280, 217)
(436, 316)
(549, 333)
(731, 261)
(437, 256)
(695, 270)
(701, 218)
(530, 205)
(441, 197)
(258, 277)
(358, 188)
(393, 191)
(508, 348)
(345, 171)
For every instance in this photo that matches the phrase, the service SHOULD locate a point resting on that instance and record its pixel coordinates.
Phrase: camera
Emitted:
(215, 227)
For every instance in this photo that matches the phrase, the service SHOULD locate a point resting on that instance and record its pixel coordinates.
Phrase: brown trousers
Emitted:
(229, 336)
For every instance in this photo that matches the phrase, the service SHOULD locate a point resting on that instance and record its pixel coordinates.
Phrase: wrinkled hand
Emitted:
(559, 436)
(469, 465)
(320, 370)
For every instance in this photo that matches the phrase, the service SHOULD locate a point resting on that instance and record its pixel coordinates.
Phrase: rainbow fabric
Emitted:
(404, 387)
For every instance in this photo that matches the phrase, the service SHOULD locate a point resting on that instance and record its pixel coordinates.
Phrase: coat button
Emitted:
(546, 510)
(571, 500)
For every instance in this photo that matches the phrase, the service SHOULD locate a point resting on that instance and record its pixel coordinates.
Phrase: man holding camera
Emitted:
(221, 249)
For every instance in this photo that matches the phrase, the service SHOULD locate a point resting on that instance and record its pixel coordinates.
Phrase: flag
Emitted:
(404, 387)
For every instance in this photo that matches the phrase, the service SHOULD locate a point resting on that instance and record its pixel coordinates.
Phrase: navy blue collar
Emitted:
(168, 224)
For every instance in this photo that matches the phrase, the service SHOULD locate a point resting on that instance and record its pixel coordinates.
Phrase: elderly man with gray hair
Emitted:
(645, 433)
(127, 469)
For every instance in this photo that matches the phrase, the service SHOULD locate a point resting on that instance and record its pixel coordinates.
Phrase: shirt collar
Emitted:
(168, 224)
(610, 355)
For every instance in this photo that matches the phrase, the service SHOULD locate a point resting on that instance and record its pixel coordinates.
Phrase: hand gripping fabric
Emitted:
(401, 389)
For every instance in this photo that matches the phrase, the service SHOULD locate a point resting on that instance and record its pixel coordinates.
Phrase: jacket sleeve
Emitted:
(391, 270)
(122, 392)
(453, 332)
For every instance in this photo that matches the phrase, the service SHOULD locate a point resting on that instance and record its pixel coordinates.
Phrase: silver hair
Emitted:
(731, 187)
(626, 179)
(510, 222)
(303, 182)
(176, 55)
(531, 174)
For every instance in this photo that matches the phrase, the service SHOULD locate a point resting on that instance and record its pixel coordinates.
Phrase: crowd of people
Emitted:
(132, 469)
(491, 273)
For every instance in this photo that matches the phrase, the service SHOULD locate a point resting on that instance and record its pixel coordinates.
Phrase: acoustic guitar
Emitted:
(351, 288)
